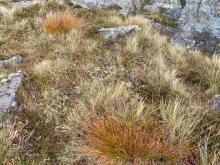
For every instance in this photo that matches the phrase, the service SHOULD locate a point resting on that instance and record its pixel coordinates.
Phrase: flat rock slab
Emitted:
(8, 89)
(113, 33)
(16, 59)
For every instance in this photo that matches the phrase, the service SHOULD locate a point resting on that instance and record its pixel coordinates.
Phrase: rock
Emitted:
(154, 8)
(126, 4)
(118, 31)
(16, 59)
(19, 4)
(216, 102)
(163, 29)
(8, 89)
(199, 26)
(176, 2)
(124, 12)
(169, 11)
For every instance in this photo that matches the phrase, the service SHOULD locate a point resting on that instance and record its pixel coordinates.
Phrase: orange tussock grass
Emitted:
(115, 140)
(62, 22)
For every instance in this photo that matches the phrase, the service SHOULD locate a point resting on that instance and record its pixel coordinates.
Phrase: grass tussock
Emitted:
(163, 83)
(62, 22)
(115, 127)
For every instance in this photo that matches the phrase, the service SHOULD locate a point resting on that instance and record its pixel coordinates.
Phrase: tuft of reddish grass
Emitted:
(116, 140)
(62, 22)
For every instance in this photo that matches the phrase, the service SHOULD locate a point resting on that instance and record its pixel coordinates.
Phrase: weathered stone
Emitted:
(13, 60)
(128, 4)
(216, 102)
(8, 89)
(118, 31)
(199, 26)
(169, 11)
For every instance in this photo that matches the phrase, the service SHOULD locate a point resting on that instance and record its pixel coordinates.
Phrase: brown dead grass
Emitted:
(62, 22)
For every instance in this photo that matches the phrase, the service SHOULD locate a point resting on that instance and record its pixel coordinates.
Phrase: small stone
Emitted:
(4, 80)
(116, 32)
(216, 102)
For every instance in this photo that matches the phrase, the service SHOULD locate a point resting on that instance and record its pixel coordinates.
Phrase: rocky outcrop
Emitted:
(124, 4)
(199, 26)
(16, 59)
(8, 88)
(169, 11)
(112, 33)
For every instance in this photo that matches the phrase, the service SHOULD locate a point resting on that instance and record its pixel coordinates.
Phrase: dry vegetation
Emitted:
(87, 100)
(62, 22)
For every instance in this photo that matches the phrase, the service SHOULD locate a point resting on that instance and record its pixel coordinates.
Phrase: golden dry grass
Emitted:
(62, 22)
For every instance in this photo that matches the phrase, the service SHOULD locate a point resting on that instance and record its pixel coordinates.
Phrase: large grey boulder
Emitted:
(126, 4)
(8, 88)
(113, 33)
(199, 26)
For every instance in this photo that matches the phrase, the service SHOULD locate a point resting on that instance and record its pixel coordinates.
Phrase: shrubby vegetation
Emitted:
(88, 100)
